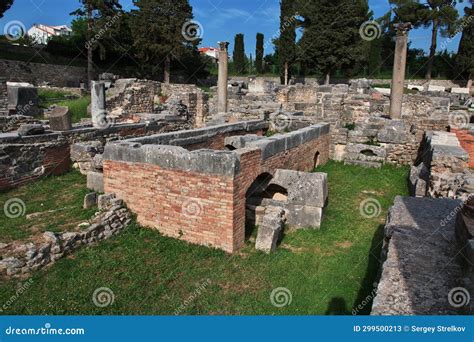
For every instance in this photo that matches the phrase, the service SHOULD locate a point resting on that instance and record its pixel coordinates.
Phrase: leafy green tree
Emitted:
(4, 6)
(286, 43)
(95, 11)
(239, 54)
(259, 53)
(162, 30)
(465, 55)
(331, 39)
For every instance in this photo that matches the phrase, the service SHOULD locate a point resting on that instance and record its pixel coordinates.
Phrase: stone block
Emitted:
(60, 119)
(90, 200)
(23, 100)
(419, 180)
(105, 202)
(270, 230)
(30, 129)
(95, 181)
(303, 188)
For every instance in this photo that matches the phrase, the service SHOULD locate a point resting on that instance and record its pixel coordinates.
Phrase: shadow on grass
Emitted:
(367, 291)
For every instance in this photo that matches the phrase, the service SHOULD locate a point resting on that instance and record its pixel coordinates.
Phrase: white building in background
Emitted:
(42, 33)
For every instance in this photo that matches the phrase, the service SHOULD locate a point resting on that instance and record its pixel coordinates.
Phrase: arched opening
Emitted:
(275, 192)
(253, 208)
(230, 148)
(471, 120)
(368, 153)
(316, 161)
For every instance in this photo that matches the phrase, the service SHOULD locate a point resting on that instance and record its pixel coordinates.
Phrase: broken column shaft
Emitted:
(98, 103)
(222, 80)
(399, 69)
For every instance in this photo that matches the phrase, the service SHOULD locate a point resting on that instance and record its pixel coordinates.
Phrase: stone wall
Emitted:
(37, 73)
(128, 97)
(25, 159)
(420, 259)
(448, 163)
(20, 259)
(3, 97)
(199, 196)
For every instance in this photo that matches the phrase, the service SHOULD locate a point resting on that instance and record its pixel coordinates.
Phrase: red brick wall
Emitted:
(467, 142)
(201, 208)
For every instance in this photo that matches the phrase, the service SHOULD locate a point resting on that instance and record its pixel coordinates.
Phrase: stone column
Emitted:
(98, 105)
(222, 80)
(399, 69)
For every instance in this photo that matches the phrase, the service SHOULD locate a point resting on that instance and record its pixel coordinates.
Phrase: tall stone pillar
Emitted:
(98, 105)
(399, 69)
(222, 79)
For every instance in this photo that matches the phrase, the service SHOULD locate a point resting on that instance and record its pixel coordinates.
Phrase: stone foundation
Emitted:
(174, 183)
(20, 259)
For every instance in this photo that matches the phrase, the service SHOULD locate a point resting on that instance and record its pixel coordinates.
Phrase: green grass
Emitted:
(56, 203)
(77, 106)
(328, 271)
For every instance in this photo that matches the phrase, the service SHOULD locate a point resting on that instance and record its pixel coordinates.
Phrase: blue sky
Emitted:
(221, 19)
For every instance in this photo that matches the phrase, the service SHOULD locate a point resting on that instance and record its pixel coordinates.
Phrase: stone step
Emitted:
(363, 163)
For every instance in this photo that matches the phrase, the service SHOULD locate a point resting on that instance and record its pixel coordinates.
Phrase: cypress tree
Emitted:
(286, 43)
(157, 30)
(239, 54)
(331, 39)
(259, 53)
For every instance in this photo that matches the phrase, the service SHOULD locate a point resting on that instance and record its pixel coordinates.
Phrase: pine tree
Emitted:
(239, 54)
(465, 56)
(286, 43)
(259, 53)
(440, 15)
(95, 10)
(4, 6)
(157, 30)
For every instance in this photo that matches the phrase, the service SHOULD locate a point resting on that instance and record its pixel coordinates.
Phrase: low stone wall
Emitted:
(37, 73)
(447, 161)
(420, 265)
(3, 97)
(27, 158)
(20, 259)
(133, 96)
(199, 196)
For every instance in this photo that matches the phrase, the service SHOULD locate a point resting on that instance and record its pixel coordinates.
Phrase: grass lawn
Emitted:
(327, 271)
(52, 204)
(77, 106)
